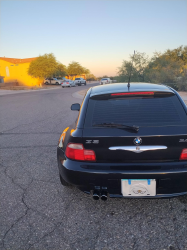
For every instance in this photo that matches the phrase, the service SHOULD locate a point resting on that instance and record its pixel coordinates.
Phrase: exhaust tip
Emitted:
(96, 195)
(104, 196)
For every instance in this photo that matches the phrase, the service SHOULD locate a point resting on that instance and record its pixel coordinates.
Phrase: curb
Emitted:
(77, 95)
(11, 92)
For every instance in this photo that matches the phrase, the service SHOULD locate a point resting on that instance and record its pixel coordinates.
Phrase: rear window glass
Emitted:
(104, 79)
(165, 111)
(77, 78)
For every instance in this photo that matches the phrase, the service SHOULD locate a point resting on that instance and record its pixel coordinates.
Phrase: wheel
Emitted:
(63, 182)
(57, 83)
(62, 86)
(85, 83)
(46, 83)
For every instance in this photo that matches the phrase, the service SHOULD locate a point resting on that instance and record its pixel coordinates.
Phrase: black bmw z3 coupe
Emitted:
(127, 142)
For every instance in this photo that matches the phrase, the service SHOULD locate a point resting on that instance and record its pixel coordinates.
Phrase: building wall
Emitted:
(17, 72)
(77, 76)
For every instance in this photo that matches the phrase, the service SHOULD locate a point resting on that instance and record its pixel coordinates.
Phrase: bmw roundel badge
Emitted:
(137, 141)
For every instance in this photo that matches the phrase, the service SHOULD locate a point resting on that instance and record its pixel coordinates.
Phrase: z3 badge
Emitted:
(92, 141)
(183, 140)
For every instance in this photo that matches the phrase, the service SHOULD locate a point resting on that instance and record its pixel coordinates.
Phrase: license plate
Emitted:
(138, 187)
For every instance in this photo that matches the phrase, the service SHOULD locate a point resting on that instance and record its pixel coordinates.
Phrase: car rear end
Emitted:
(65, 83)
(77, 81)
(104, 81)
(121, 162)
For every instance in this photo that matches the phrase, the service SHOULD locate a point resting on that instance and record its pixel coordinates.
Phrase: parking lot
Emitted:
(37, 212)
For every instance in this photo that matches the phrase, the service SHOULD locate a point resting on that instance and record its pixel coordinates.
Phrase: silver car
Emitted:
(68, 83)
(53, 80)
(80, 81)
(105, 81)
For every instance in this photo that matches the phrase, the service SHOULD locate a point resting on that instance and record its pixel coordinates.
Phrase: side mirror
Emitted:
(75, 106)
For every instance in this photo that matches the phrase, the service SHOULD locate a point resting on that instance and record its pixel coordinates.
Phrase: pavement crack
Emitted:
(56, 226)
(21, 217)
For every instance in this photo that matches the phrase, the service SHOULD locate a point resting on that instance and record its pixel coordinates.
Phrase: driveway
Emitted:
(37, 212)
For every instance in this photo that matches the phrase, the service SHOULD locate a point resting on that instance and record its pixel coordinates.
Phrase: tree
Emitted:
(74, 68)
(61, 70)
(136, 67)
(169, 67)
(43, 67)
(182, 81)
(90, 77)
(163, 69)
(125, 70)
(179, 54)
(86, 71)
(140, 63)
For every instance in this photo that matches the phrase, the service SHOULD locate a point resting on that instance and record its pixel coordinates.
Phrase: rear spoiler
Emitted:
(134, 94)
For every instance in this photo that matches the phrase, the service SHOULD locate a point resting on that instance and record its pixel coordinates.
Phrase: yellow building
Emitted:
(77, 76)
(15, 70)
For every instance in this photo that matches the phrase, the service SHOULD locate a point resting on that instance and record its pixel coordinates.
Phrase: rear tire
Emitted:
(85, 83)
(63, 182)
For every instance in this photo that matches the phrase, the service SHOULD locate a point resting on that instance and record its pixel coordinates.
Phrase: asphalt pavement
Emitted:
(37, 212)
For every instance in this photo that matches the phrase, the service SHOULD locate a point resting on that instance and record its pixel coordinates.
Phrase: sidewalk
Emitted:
(47, 87)
(10, 92)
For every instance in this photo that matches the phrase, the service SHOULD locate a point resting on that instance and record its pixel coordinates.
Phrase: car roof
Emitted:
(122, 87)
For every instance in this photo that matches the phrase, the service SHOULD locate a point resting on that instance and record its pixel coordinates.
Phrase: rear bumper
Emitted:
(65, 85)
(169, 183)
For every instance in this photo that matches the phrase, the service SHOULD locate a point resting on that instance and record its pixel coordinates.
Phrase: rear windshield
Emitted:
(104, 79)
(145, 112)
(77, 78)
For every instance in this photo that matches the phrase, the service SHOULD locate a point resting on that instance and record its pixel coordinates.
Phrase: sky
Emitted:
(99, 34)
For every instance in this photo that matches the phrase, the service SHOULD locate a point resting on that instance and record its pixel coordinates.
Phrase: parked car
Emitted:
(105, 81)
(52, 81)
(68, 83)
(79, 81)
(127, 142)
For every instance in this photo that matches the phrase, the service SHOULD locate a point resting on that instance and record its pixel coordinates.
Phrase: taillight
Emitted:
(77, 152)
(134, 93)
(183, 155)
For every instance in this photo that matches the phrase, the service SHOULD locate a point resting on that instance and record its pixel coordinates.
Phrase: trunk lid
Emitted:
(161, 118)
(119, 145)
